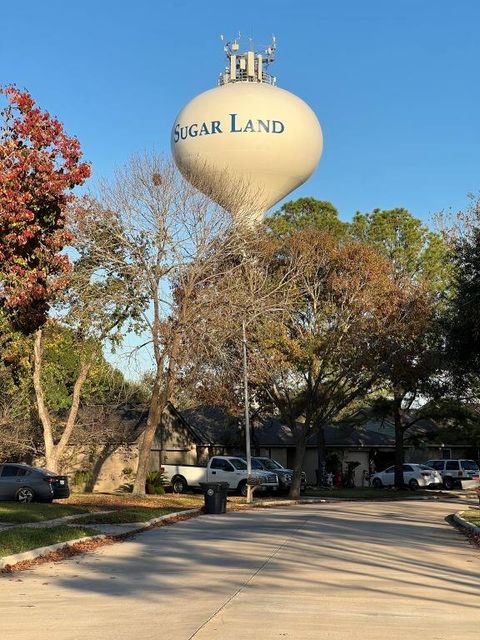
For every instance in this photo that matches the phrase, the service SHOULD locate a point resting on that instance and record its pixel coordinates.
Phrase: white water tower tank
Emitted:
(247, 143)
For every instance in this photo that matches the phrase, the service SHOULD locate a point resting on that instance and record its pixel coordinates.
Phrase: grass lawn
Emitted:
(37, 512)
(17, 540)
(111, 501)
(472, 516)
(138, 514)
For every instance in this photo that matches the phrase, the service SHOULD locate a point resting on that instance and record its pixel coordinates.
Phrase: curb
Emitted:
(136, 527)
(33, 554)
(287, 503)
(464, 524)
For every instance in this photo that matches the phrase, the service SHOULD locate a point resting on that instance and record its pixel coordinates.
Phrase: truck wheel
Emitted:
(448, 483)
(179, 484)
(377, 483)
(242, 488)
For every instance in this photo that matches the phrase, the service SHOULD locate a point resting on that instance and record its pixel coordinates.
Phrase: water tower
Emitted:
(247, 143)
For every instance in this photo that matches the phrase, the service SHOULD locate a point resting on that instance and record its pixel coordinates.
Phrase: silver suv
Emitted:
(454, 471)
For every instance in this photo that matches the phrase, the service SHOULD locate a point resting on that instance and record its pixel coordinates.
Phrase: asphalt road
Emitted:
(341, 571)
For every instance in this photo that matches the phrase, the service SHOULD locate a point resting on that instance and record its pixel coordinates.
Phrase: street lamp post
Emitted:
(247, 415)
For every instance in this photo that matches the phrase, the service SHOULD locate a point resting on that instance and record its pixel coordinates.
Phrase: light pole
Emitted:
(247, 415)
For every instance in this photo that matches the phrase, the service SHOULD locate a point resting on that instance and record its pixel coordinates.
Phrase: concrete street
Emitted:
(365, 571)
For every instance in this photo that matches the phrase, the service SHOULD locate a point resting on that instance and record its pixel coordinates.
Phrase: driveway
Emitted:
(366, 571)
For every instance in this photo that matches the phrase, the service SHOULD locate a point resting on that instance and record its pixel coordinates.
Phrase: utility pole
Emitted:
(247, 415)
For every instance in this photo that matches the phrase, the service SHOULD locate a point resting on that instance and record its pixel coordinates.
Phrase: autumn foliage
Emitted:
(39, 166)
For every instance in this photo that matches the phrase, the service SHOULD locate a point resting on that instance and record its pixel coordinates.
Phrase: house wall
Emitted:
(109, 469)
(179, 456)
(310, 463)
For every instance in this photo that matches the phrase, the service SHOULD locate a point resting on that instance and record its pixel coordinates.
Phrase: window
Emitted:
(452, 465)
(9, 471)
(256, 464)
(271, 465)
(22, 472)
(221, 464)
(469, 465)
(407, 467)
(238, 464)
(436, 464)
(389, 470)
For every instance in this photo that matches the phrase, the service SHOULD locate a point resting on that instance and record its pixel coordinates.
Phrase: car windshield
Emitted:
(271, 465)
(424, 467)
(237, 463)
(469, 465)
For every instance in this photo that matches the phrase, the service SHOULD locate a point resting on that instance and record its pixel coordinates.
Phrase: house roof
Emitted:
(271, 432)
(214, 426)
(212, 423)
(108, 424)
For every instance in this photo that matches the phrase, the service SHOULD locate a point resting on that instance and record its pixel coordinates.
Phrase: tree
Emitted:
(413, 356)
(317, 349)
(154, 231)
(18, 439)
(463, 314)
(39, 165)
(247, 286)
(327, 354)
(306, 212)
(412, 364)
(21, 432)
(415, 251)
(93, 309)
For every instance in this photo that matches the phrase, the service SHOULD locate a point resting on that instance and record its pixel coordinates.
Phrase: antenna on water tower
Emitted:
(249, 65)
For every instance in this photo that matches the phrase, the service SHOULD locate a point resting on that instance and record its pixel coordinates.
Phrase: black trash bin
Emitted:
(215, 494)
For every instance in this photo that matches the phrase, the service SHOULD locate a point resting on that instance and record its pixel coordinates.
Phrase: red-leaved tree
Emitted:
(39, 166)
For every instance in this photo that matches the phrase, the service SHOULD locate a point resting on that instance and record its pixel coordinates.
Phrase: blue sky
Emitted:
(394, 84)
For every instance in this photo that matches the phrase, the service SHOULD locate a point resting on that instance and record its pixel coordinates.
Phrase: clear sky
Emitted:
(394, 83)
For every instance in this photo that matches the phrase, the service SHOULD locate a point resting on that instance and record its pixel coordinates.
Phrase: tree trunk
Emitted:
(51, 459)
(158, 403)
(321, 456)
(54, 452)
(301, 445)
(399, 453)
(74, 407)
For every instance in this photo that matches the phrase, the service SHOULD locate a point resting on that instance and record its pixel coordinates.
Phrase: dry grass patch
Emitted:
(111, 501)
(472, 516)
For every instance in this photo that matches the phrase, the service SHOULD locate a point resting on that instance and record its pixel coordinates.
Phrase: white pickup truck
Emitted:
(219, 469)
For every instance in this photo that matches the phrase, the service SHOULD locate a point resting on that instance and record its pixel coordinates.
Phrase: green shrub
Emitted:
(155, 484)
(81, 476)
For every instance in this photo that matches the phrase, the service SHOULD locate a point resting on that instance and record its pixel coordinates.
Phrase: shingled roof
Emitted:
(211, 423)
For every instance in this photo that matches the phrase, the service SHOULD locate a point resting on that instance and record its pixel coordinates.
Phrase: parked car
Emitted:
(285, 476)
(414, 475)
(24, 483)
(454, 472)
(230, 469)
